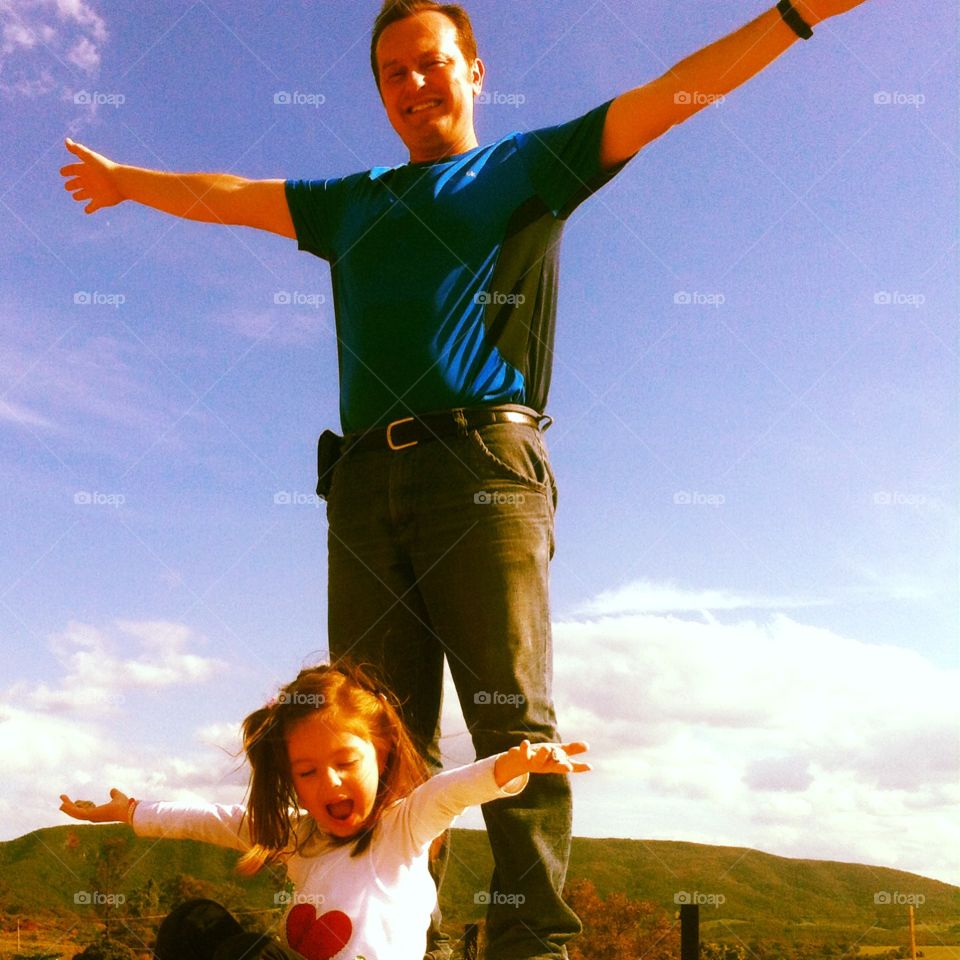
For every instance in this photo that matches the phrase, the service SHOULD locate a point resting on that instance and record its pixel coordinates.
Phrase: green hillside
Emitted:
(743, 893)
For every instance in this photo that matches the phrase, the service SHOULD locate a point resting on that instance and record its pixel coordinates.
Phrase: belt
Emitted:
(410, 431)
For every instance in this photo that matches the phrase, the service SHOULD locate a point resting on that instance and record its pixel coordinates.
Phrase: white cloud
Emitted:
(770, 734)
(70, 31)
(645, 596)
(68, 735)
(97, 678)
(776, 735)
(85, 55)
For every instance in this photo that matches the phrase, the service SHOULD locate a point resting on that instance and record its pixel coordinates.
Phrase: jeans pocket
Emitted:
(513, 453)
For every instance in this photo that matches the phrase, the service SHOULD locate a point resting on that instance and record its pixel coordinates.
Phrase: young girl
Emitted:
(339, 794)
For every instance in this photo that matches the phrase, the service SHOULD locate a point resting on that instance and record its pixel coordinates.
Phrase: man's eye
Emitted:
(306, 773)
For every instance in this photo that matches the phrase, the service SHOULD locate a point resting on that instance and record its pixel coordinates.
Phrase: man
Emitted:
(441, 506)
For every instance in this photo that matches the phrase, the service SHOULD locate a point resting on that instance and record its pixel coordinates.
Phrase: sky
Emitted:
(755, 389)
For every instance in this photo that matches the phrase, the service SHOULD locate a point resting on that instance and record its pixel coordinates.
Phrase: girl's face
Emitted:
(335, 773)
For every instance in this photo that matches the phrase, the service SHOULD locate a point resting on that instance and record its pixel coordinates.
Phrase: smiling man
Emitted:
(441, 497)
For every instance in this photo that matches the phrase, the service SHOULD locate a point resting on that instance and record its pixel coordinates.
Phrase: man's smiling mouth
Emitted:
(426, 105)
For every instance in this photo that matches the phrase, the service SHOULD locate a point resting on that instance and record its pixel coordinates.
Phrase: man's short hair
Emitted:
(394, 10)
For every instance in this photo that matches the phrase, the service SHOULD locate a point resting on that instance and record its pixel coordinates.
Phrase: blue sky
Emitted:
(755, 387)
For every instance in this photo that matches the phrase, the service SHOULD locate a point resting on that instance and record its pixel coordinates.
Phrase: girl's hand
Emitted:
(93, 178)
(116, 811)
(539, 758)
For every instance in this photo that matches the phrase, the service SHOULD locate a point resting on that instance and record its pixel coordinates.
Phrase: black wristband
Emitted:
(793, 20)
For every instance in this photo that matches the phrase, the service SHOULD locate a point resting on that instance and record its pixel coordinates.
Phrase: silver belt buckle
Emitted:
(399, 446)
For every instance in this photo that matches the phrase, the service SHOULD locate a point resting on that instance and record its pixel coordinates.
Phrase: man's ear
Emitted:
(477, 71)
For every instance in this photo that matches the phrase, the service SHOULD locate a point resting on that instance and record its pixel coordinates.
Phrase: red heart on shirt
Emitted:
(317, 938)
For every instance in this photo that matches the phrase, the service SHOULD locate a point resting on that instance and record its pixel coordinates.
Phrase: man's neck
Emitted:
(442, 151)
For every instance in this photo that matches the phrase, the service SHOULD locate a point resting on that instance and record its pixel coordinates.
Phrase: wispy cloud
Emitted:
(33, 32)
(647, 596)
(17, 414)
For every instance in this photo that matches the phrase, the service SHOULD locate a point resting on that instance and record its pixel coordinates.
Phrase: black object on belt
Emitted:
(410, 431)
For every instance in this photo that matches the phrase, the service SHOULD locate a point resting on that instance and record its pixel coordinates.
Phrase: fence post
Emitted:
(689, 931)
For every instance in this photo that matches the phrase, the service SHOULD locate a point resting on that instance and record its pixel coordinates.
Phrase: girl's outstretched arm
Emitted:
(117, 810)
(539, 758)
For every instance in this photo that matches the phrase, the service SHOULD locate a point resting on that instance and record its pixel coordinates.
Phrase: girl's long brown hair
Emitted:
(351, 697)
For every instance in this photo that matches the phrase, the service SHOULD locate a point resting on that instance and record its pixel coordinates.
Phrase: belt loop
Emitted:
(460, 419)
(544, 422)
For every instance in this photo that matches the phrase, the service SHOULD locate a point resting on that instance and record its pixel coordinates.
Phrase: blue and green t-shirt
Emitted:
(445, 273)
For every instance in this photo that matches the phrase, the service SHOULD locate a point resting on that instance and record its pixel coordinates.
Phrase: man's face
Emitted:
(427, 86)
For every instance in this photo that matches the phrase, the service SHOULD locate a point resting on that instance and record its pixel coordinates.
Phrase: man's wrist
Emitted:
(807, 12)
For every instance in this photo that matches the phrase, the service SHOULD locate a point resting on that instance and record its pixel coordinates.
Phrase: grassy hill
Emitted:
(744, 894)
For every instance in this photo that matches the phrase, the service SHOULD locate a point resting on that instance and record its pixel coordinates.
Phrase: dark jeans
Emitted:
(203, 930)
(442, 551)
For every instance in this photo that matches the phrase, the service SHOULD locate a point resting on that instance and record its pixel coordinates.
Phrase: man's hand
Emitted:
(115, 811)
(93, 178)
(539, 758)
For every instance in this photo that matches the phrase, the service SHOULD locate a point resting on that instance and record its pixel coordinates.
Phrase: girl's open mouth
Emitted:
(340, 810)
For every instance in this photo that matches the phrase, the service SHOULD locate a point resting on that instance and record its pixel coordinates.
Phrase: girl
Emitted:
(340, 796)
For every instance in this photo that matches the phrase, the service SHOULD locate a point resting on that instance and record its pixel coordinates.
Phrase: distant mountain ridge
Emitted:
(743, 893)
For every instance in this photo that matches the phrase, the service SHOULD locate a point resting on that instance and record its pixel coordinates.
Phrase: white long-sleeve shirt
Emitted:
(375, 906)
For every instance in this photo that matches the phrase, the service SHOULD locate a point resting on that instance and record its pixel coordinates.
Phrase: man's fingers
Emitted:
(577, 746)
(75, 148)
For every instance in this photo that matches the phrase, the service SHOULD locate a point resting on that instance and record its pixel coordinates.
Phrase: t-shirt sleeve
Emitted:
(563, 162)
(315, 207)
(225, 826)
(436, 804)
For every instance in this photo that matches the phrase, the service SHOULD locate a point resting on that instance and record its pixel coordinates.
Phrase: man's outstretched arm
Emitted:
(643, 114)
(207, 197)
